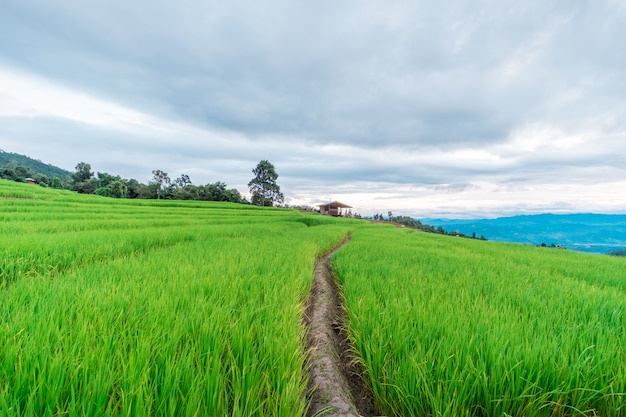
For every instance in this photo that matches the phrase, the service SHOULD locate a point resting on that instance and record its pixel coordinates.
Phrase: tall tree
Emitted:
(82, 180)
(182, 181)
(83, 172)
(263, 187)
(161, 179)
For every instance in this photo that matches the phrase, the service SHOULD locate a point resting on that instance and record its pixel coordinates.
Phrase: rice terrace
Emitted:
(189, 308)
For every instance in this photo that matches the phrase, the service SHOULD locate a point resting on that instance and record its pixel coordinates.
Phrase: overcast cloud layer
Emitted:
(454, 108)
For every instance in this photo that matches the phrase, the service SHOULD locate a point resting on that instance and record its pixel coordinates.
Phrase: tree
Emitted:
(82, 180)
(86, 187)
(41, 179)
(118, 189)
(133, 188)
(22, 173)
(234, 196)
(111, 186)
(263, 187)
(9, 174)
(83, 172)
(55, 182)
(161, 179)
(182, 181)
(217, 192)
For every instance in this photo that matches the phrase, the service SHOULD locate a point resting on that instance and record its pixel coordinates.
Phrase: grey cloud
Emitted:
(417, 77)
(368, 75)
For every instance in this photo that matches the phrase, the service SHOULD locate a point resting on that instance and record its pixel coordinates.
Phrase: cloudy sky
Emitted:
(431, 109)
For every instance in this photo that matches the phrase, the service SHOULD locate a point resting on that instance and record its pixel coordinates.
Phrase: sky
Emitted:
(457, 109)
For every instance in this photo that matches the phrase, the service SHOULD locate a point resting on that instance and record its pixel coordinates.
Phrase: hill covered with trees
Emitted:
(18, 167)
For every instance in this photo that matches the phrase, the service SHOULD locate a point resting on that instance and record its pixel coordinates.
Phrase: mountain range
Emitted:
(586, 232)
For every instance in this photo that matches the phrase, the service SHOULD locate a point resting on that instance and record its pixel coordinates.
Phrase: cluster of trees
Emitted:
(553, 246)
(160, 187)
(263, 187)
(380, 218)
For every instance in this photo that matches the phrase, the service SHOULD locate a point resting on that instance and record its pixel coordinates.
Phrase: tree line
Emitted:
(263, 187)
(161, 186)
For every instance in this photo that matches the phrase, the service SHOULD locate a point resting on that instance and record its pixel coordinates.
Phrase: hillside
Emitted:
(587, 232)
(35, 166)
(124, 307)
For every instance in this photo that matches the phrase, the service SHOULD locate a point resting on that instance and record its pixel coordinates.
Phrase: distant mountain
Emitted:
(597, 233)
(34, 166)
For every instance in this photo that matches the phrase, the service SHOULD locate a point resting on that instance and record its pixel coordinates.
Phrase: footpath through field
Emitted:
(336, 385)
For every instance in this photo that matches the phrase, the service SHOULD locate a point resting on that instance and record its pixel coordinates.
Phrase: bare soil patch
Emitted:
(337, 385)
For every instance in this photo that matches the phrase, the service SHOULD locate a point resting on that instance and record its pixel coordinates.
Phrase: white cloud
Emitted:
(25, 95)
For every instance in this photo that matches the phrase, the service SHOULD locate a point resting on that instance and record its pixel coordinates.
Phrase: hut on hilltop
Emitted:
(334, 208)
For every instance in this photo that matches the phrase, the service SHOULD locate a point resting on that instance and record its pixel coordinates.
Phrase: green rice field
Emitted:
(459, 327)
(144, 308)
(169, 308)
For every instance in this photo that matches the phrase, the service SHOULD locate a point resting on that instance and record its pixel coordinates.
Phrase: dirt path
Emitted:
(336, 384)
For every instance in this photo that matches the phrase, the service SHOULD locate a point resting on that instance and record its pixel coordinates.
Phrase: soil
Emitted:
(337, 384)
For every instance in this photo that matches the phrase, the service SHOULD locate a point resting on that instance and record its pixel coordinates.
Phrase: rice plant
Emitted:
(457, 327)
(154, 310)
